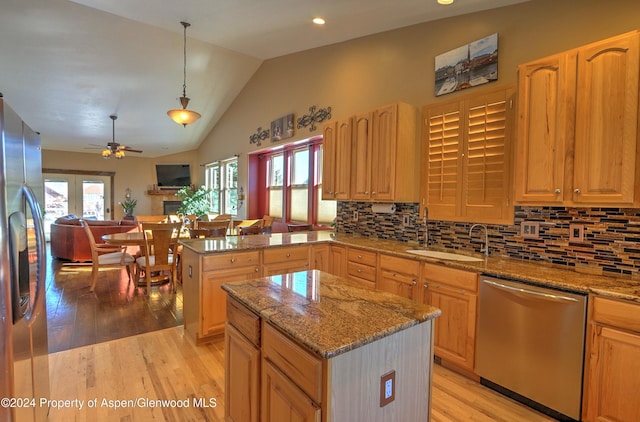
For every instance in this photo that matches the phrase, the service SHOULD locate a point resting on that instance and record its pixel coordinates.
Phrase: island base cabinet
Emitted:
(242, 391)
(283, 401)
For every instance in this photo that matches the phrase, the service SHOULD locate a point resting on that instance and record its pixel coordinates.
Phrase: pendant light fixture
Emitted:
(183, 115)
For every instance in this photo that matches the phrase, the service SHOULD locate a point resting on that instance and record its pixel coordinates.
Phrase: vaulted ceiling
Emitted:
(65, 66)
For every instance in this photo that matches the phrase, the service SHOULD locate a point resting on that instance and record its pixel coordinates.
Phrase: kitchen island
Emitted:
(325, 348)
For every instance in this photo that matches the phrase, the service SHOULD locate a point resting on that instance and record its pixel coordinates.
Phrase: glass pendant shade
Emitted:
(106, 154)
(183, 116)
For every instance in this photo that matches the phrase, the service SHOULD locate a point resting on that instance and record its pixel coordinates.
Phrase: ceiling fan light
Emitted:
(119, 154)
(445, 1)
(106, 154)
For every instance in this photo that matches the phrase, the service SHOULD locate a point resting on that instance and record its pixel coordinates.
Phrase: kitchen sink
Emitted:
(444, 255)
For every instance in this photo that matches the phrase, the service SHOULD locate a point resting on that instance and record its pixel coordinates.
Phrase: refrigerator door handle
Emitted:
(20, 260)
(38, 223)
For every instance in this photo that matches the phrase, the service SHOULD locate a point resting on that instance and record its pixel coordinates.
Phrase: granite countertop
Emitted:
(539, 273)
(327, 314)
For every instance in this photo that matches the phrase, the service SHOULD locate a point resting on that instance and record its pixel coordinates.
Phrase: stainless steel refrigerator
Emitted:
(24, 360)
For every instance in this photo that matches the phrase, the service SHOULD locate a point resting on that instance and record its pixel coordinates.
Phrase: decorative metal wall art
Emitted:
(314, 116)
(259, 136)
(282, 128)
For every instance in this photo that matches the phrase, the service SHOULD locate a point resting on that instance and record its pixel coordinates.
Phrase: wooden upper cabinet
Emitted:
(362, 156)
(606, 121)
(382, 161)
(577, 126)
(467, 158)
(544, 128)
(336, 161)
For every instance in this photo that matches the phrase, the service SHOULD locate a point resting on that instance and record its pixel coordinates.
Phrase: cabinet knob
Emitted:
(557, 191)
(373, 193)
(425, 285)
(413, 283)
(359, 270)
(577, 191)
(359, 256)
(233, 260)
(257, 269)
(366, 193)
(288, 255)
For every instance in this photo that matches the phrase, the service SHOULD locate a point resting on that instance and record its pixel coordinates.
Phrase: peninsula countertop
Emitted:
(543, 274)
(326, 314)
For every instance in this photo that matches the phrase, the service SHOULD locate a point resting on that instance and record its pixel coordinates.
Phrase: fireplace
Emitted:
(170, 207)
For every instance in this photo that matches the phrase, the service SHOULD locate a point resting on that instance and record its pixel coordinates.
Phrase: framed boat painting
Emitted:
(470, 65)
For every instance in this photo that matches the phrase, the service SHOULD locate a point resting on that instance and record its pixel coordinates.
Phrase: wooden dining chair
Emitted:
(106, 256)
(215, 224)
(267, 222)
(299, 228)
(150, 219)
(189, 221)
(208, 232)
(255, 229)
(160, 253)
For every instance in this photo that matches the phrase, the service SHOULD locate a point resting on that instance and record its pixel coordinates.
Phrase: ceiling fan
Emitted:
(113, 147)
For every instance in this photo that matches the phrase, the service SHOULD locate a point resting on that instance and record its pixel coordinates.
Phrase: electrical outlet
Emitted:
(405, 221)
(576, 232)
(354, 218)
(530, 229)
(387, 388)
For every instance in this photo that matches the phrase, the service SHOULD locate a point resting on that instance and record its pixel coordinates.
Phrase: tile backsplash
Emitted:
(610, 241)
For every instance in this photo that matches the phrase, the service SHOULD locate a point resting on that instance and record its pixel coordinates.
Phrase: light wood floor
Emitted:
(166, 365)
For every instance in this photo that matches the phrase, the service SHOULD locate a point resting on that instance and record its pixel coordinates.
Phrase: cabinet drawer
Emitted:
(620, 314)
(294, 253)
(304, 369)
(361, 271)
(404, 266)
(228, 260)
(453, 277)
(245, 321)
(362, 257)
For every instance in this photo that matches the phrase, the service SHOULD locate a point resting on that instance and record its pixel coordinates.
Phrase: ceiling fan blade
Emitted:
(131, 149)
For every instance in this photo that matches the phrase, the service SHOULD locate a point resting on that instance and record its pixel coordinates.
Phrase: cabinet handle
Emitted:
(425, 285)
(288, 255)
(257, 269)
(577, 191)
(359, 270)
(359, 256)
(233, 260)
(414, 283)
(557, 191)
(366, 193)
(373, 193)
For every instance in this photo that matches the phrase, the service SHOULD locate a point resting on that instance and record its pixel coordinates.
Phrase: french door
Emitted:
(86, 195)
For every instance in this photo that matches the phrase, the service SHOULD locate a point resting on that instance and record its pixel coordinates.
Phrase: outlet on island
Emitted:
(387, 388)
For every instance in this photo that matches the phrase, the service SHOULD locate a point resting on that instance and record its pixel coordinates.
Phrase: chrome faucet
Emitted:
(484, 248)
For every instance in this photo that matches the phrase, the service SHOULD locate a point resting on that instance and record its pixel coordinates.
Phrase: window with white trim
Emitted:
(221, 177)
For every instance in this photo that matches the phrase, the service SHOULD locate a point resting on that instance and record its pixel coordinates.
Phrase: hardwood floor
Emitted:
(124, 350)
(116, 309)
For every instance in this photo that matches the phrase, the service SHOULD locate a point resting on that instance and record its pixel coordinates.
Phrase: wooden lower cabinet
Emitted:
(338, 263)
(283, 401)
(320, 257)
(242, 391)
(204, 300)
(361, 266)
(613, 362)
(283, 260)
(398, 276)
(455, 292)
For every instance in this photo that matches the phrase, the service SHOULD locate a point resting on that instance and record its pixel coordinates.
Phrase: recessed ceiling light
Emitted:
(445, 1)
(318, 21)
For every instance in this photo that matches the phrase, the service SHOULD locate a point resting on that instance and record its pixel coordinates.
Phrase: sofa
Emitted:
(69, 241)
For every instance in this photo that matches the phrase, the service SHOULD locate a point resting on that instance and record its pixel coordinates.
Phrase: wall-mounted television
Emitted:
(173, 176)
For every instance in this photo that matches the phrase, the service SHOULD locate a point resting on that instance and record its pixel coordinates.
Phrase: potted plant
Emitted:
(128, 205)
(194, 201)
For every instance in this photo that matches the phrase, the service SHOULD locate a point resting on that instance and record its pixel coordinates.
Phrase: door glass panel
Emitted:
(92, 200)
(56, 202)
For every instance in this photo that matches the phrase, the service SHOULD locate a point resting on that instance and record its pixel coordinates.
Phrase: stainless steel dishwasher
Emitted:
(530, 342)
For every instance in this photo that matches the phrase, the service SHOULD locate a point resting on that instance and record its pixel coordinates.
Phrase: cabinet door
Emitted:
(338, 264)
(606, 121)
(320, 257)
(282, 400)
(614, 366)
(285, 267)
(242, 377)
(361, 165)
(455, 329)
(214, 299)
(546, 94)
(397, 283)
(384, 141)
(336, 165)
